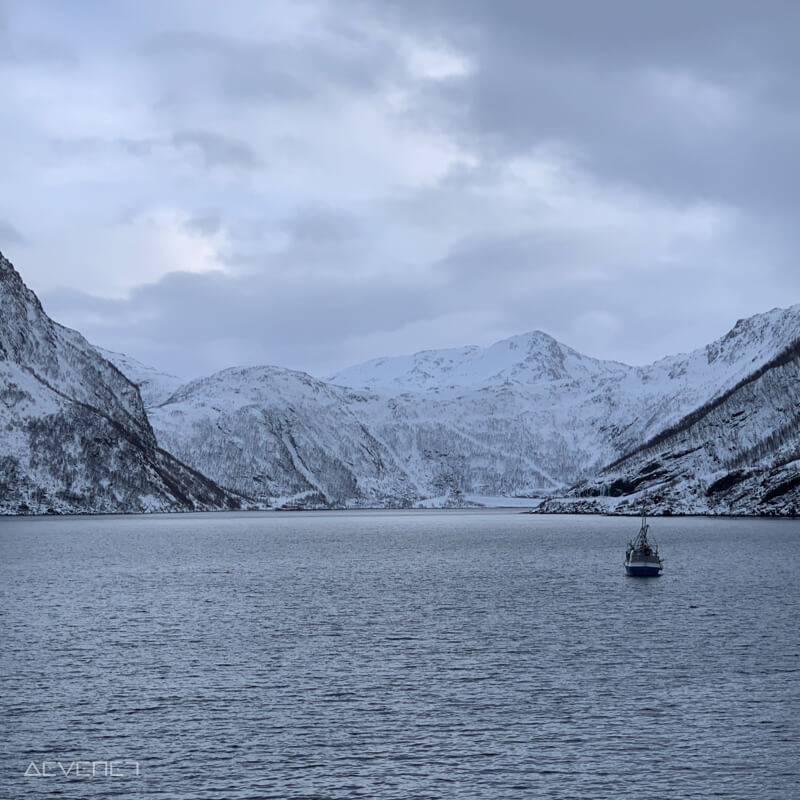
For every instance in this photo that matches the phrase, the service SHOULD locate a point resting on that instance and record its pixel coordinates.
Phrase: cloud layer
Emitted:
(316, 183)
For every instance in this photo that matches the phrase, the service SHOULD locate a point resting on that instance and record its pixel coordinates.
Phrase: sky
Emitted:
(315, 183)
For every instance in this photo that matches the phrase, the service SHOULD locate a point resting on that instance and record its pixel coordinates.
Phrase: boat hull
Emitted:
(643, 570)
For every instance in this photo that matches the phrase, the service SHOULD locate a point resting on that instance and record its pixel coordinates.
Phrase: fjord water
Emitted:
(399, 655)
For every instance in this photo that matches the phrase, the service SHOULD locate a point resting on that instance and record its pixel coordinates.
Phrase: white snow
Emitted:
(526, 416)
(523, 419)
(155, 386)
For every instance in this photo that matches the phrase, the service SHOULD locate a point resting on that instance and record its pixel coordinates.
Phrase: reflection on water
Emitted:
(399, 655)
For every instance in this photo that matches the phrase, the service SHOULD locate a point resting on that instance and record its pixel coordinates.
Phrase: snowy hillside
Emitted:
(278, 435)
(637, 402)
(154, 386)
(712, 431)
(738, 454)
(531, 358)
(524, 417)
(75, 437)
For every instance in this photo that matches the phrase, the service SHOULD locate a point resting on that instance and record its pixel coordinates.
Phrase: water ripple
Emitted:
(398, 655)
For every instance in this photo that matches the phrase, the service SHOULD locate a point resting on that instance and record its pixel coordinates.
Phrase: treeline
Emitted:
(788, 434)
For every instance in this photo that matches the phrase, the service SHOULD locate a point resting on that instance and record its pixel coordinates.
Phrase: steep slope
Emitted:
(611, 403)
(526, 417)
(738, 454)
(281, 435)
(155, 387)
(75, 437)
(506, 440)
(678, 385)
(528, 359)
(278, 435)
(523, 416)
(715, 430)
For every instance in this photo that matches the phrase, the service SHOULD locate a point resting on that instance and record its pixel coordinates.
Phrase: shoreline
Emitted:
(406, 509)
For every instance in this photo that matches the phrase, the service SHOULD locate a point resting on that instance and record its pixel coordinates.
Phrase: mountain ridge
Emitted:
(713, 430)
(550, 429)
(755, 466)
(75, 435)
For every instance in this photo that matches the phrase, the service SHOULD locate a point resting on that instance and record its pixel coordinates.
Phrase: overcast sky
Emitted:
(311, 184)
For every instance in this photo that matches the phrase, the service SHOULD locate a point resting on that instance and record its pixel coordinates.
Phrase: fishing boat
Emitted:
(641, 557)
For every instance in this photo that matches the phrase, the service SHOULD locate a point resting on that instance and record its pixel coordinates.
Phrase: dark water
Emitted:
(398, 655)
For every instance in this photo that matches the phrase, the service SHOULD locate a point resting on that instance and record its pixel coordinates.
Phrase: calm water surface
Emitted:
(398, 655)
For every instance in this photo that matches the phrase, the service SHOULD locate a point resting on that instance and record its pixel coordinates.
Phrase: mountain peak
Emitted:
(155, 386)
(75, 434)
(525, 358)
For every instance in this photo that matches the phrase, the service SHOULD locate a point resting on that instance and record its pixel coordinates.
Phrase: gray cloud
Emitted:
(195, 65)
(717, 36)
(211, 149)
(621, 174)
(294, 311)
(141, 148)
(273, 319)
(35, 51)
(32, 49)
(322, 226)
(208, 222)
(690, 99)
(9, 234)
(235, 69)
(216, 150)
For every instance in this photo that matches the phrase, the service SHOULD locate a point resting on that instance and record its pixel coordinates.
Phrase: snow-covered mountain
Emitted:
(713, 431)
(74, 435)
(738, 453)
(527, 416)
(636, 402)
(276, 434)
(154, 386)
(528, 359)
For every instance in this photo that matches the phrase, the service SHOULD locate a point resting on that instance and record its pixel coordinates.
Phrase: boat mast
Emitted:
(641, 539)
